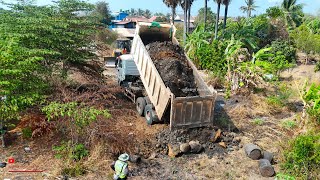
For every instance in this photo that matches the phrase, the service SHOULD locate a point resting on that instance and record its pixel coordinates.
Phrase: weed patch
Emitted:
(302, 157)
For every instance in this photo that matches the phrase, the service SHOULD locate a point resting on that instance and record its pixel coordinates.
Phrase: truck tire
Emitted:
(147, 100)
(150, 114)
(140, 105)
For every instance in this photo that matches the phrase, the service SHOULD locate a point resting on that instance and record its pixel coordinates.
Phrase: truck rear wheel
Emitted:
(150, 114)
(140, 105)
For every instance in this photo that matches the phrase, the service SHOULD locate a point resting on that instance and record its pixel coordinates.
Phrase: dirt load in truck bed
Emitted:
(172, 65)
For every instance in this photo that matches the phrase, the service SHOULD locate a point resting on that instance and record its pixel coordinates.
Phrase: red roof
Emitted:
(136, 19)
(123, 22)
(153, 18)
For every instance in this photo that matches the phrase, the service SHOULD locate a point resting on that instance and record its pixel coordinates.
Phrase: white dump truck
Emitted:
(145, 87)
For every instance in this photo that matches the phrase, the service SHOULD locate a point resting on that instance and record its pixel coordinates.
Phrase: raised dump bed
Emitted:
(183, 112)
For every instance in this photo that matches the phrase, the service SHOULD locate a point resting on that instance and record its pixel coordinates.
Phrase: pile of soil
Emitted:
(203, 135)
(172, 65)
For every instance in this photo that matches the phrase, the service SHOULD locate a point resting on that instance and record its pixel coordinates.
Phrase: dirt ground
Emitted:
(235, 115)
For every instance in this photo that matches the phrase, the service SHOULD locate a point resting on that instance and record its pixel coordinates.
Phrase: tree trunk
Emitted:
(217, 22)
(185, 23)
(249, 13)
(205, 13)
(173, 14)
(189, 16)
(225, 16)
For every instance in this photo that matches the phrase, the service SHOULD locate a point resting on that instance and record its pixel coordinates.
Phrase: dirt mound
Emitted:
(203, 135)
(171, 63)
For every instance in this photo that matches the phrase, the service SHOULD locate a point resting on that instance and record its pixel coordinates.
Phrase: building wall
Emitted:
(121, 16)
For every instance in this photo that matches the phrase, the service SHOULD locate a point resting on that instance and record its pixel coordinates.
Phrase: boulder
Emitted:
(174, 150)
(223, 144)
(185, 148)
(215, 136)
(196, 147)
(135, 159)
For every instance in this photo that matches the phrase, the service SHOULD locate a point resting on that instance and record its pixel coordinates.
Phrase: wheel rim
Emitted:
(148, 117)
(138, 107)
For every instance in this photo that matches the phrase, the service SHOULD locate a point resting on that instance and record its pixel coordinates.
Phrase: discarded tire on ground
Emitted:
(266, 168)
(253, 151)
(140, 105)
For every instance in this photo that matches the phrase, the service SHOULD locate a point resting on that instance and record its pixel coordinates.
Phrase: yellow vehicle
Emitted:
(123, 46)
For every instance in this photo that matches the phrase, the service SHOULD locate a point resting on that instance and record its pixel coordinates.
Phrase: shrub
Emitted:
(280, 99)
(311, 98)
(27, 132)
(258, 121)
(302, 158)
(211, 57)
(80, 114)
(74, 171)
(289, 124)
(68, 151)
(284, 48)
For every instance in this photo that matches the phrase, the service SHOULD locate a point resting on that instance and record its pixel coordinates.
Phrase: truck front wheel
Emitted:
(141, 104)
(150, 114)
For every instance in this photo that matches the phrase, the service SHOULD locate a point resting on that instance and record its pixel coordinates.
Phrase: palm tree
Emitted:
(226, 3)
(133, 12)
(140, 12)
(205, 13)
(217, 18)
(293, 11)
(147, 13)
(188, 12)
(173, 5)
(249, 7)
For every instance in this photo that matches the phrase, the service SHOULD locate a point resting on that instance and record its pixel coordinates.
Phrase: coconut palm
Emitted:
(173, 5)
(250, 6)
(293, 12)
(217, 18)
(147, 13)
(226, 3)
(187, 9)
(205, 13)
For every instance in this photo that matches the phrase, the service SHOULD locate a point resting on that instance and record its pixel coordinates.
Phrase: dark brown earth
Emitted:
(172, 65)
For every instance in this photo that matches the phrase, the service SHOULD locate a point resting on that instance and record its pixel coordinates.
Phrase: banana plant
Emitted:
(262, 55)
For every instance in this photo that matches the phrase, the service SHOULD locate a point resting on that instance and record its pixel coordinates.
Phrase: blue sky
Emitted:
(311, 6)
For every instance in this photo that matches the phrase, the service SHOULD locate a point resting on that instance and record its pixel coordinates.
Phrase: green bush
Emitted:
(302, 158)
(27, 132)
(79, 114)
(74, 171)
(289, 124)
(69, 151)
(280, 99)
(211, 57)
(312, 100)
(317, 68)
(284, 48)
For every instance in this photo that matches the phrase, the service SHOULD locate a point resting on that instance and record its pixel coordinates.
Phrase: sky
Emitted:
(310, 6)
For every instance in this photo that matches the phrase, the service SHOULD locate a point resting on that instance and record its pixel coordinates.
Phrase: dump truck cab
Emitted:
(127, 69)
